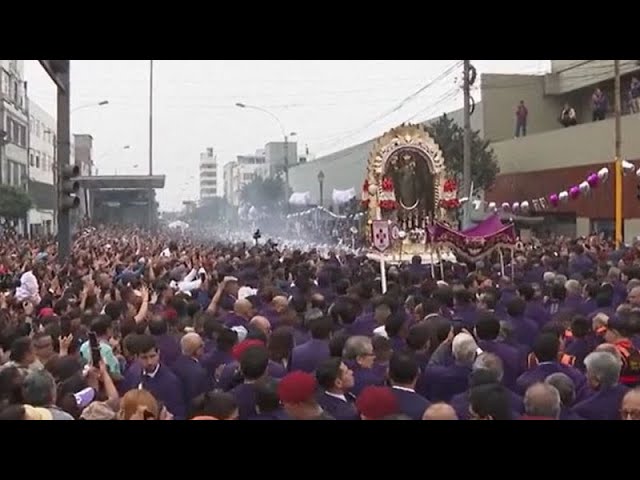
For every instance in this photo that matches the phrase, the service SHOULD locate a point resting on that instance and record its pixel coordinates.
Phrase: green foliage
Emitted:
(450, 137)
(14, 202)
(264, 192)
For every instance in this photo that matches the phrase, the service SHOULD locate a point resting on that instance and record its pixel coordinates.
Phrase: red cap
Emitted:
(297, 387)
(242, 347)
(46, 312)
(375, 403)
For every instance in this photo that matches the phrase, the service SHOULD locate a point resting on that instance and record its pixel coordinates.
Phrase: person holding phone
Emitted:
(101, 326)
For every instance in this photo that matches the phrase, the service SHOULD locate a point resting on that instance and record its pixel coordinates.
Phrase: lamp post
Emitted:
(321, 185)
(3, 142)
(286, 143)
(89, 105)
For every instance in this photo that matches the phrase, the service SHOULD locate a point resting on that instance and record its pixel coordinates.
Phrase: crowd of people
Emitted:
(138, 326)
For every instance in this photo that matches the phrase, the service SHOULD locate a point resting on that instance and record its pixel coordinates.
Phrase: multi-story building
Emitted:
(42, 166)
(241, 172)
(82, 155)
(208, 174)
(277, 154)
(13, 124)
(555, 157)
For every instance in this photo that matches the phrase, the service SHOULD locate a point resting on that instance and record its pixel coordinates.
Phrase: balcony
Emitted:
(585, 144)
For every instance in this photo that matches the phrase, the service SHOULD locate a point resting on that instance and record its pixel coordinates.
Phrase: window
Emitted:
(22, 141)
(23, 175)
(15, 174)
(14, 92)
(9, 129)
(31, 160)
(37, 160)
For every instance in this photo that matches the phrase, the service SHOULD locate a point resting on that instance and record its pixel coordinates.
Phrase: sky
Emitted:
(329, 104)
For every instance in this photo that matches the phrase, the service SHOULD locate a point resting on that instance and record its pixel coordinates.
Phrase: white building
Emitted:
(242, 171)
(42, 168)
(208, 174)
(13, 123)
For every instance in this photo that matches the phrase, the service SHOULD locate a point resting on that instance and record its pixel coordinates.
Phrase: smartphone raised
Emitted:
(95, 349)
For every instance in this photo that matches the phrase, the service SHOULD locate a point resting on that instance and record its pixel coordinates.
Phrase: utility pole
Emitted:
(150, 193)
(63, 152)
(466, 161)
(618, 154)
(286, 172)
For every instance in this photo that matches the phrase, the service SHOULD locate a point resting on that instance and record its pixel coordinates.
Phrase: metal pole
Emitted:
(321, 193)
(63, 152)
(466, 165)
(27, 226)
(151, 200)
(286, 171)
(618, 153)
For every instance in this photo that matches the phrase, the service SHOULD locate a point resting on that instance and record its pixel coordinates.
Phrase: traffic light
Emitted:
(69, 187)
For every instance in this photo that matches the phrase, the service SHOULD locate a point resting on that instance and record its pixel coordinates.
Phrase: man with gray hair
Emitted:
(573, 299)
(542, 402)
(489, 362)
(193, 376)
(39, 390)
(358, 356)
(567, 391)
(603, 375)
(441, 383)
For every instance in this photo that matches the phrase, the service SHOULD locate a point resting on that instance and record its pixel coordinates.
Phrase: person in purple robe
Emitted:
(487, 331)
(489, 402)
(603, 374)
(214, 361)
(242, 314)
(336, 380)
(525, 329)
(168, 345)
(309, 355)
(150, 374)
(367, 322)
(396, 328)
(211, 328)
(486, 369)
(359, 356)
(535, 307)
(194, 377)
(567, 391)
(254, 360)
(581, 341)
(268, 406)
(441, 383)
(604, 302)
(280, 346)
(344, 312)
(403, 375)
(542, 402)
(297, 392)
(418, 343)
(546, 350)
(465, 308)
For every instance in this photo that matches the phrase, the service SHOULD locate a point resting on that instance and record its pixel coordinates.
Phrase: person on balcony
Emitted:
(634, 93)
(568, 116)
(521, 119)
(599, 105)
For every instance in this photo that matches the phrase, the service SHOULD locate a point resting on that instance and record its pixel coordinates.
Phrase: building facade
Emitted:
(42, 169)
(242, 171)
(208, 174)
(277, 154)
(13, 124)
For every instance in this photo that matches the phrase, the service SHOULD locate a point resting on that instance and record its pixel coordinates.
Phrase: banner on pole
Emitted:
(381, 235)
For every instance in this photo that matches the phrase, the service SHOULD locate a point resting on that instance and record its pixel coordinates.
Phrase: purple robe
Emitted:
(245, 397)
(195, 378)
(338, 408)
(278, 414)
(164, 386)
(602, 405)
(365, 324)
(440, 384)
(536, 311)
(309, 355)
(541, 371)
(525, 330)
(233, 320)
(169, 348)
(511, 357)
(460, 404)
(363, 377)
(410, 403)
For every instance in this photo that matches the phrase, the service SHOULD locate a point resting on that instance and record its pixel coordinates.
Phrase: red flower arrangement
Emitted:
(387, 184)
(450, 186)
(365, 194)
(449, 203)
(388, 204)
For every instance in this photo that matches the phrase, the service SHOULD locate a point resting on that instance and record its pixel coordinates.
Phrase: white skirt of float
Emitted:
(427, 259)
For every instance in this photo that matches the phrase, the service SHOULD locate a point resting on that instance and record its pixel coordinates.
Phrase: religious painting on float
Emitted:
(406, 185)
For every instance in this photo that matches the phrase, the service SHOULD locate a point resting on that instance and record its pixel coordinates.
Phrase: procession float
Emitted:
(412, 206)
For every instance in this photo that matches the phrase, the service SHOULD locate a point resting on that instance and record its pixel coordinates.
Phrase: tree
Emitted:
(264, 192)
(14, 203)
(450, 137)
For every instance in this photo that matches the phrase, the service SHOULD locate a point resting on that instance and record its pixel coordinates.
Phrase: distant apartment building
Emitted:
(13, 124)
(82, 155)
(243, 170)
(208, 174)
(555, 156)
(278, 154)
(42, 170)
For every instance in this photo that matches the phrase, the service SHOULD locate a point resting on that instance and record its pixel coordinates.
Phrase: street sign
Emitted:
(381, 235)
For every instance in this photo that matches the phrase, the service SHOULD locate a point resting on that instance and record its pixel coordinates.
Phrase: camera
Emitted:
(257, 235)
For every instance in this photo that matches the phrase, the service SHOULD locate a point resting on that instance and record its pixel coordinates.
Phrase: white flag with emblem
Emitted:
(381, 236)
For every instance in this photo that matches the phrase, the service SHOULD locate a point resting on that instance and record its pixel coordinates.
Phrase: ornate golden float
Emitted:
(406, 186)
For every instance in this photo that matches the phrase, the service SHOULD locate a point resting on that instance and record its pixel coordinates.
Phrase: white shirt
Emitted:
(150, 375)
(29, 288)
(405, 389)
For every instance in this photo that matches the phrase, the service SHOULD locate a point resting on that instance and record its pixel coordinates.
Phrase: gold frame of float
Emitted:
(416, 139)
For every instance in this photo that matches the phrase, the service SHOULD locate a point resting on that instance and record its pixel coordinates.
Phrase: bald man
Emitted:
(242, 313)
(261, 323)
(440, 411)
(630, 408)
(193, 376)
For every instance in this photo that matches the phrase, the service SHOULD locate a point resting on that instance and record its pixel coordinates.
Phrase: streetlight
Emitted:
(98, 104)
(286, 141)
(321, 184)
